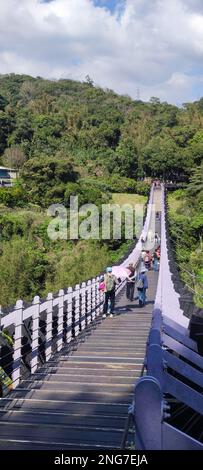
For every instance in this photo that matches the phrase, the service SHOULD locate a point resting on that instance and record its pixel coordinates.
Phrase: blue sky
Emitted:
(110, 4)
(153, 45)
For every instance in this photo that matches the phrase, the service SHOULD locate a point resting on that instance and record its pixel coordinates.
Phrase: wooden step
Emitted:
(58, 434)
(97, 396)
(64, 418)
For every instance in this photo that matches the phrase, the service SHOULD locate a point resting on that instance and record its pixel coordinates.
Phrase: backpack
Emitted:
(102, 286)
(110, 283)
(140, 284)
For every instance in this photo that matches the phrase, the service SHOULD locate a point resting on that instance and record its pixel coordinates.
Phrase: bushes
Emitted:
(76, 263)
(119, 184)
(14, 224)
(142, 188)
(186, 225)
(13, 197)
(23, 271)
(55, 195)
(46, 177)
(87, 192)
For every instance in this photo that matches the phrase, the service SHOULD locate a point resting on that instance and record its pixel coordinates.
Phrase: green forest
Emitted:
(186, 230)
(70, 138)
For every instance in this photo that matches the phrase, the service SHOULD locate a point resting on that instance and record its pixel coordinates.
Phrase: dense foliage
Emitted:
(70, 138)
(99, 131)
(186, 227)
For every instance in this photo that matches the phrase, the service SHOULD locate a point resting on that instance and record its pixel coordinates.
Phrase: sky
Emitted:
(140, 48)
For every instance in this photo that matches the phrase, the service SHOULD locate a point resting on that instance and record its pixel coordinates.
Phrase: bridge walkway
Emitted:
(80, 398)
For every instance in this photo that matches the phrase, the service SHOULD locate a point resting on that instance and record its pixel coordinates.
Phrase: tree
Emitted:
(196, 147)
(182, 135)
(154, 101)
(22, 130)
(89, 81)
(196, 181)
(27, 91)
(14, 157)
(4, 131)
(39, 175)
(3, 103)
(163, 158)
(47, 132)
(125, 159)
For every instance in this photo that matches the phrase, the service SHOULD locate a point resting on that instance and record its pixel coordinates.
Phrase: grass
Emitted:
(174, 203)
(125, 198)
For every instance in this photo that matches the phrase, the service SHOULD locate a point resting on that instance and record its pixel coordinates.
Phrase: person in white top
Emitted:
(130, 286)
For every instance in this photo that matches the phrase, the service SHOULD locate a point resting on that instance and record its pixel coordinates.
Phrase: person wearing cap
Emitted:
(142, 286)
(110, 281)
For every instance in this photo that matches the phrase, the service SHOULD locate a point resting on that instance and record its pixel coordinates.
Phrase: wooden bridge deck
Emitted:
(80, 398)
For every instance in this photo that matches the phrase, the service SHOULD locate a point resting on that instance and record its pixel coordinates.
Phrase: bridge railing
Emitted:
(59, 319)
(134, 256)
(174, 370)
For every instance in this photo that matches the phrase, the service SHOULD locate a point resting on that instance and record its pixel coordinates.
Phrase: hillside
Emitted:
(100, 131)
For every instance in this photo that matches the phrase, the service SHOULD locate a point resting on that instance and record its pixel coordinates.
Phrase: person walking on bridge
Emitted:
(147, 260)
(130, 286)
(155, 259)
(110, 281)
(142, 286)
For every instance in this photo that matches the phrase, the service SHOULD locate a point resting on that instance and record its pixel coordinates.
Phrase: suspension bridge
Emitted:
(85, 382)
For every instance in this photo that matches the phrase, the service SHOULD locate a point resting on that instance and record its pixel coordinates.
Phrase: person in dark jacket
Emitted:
(155, 261)
(142, 286)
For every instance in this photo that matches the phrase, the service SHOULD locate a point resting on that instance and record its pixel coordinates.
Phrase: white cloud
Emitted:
(154, 45)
